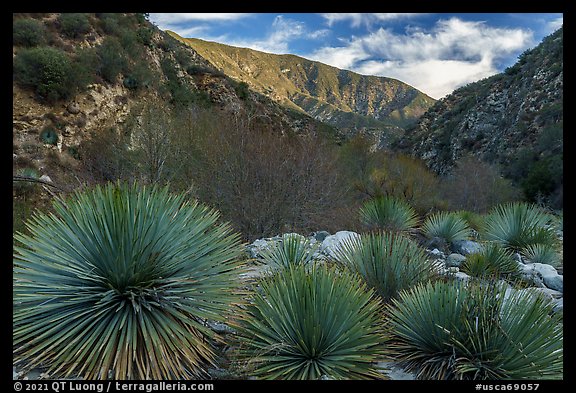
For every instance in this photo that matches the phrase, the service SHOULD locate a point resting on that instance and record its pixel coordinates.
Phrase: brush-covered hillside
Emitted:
(342, 98)
(513, 119)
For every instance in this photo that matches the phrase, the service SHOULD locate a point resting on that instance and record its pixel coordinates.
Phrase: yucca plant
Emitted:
(388, 213)
(493, 261)
(387, 261)
(292, 249)
(446, 225)
(518, 225)
(119, 283)
(451, 330)
(474, 220)
(542, 253)
(311, 322)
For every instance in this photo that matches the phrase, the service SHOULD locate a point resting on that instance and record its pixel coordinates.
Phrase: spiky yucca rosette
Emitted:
(453, 330)
(119, 283)
(311, 322)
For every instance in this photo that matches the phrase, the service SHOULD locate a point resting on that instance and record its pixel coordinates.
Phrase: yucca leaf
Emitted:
(518, 225)
(308, 322)
(446, 225)
(117, 280)
(388, 213)
(387, 261)
(453, 330)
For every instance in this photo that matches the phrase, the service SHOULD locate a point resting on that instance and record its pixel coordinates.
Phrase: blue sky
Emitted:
(435, 53)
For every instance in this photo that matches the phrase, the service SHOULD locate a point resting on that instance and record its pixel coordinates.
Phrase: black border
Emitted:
(500, 6)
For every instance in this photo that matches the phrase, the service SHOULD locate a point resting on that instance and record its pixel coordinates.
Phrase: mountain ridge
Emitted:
(513, 119)
(341, 98)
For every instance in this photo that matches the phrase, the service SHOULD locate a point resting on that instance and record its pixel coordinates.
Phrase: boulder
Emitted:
(466, 247)
(436, 254)
(394, 372)
(546, 273)
(45, 178)
(555, 282)
(455, 260)
(558, 305)
(531, 276)
(321, 235)
(257, 247)
(333, 242)
(461, 276)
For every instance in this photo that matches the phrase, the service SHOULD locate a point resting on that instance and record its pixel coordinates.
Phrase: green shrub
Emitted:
(518, 225)
(85, 67)
(109, 23)
(388, 262)
(293, 249)
(119, 282)
(542, 253)
(242, 90)
(74, 25)
(543, 178)
(145, 35)
(112, 61)
(46, 70)
(309, 323)
(446, 225)
(28, 32)
(388, 213)
(195, 69)
(140, 76)
(73, 152)
(130, 83)
(450, 330)
(49, 136)
(492, 262)
(403, 177)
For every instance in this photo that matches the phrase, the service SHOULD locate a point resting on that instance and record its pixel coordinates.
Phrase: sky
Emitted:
(436, 53)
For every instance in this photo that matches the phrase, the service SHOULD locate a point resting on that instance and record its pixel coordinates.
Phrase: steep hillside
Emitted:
(78, 75)
(514, 119)
(102, 97)
(341, 98)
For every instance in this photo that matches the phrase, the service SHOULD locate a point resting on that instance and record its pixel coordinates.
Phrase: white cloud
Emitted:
(436, 61)
(282, 32)
(555, 24)
(191, 25)
(358, 19)
(434, 77)
(178, 18)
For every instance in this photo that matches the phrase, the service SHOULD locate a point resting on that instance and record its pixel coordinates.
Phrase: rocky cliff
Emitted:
(514, 119)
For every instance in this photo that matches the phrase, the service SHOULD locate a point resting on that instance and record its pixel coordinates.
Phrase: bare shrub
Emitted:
(477, 186)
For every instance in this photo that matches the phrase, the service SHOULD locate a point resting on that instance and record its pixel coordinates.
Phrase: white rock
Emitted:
(558, 305)
(466, 247)
(333, 242)
(394, 372)
(46, 178)
(549, 276)
(461, 276)
(436, 253)
(455, 260)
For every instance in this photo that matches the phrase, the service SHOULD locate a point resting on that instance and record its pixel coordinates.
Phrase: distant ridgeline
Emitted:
(344, 99)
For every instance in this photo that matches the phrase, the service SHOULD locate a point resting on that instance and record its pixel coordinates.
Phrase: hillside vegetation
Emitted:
(173, 223)
(513, 119)
(342, 98)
